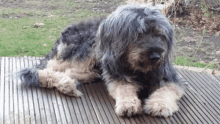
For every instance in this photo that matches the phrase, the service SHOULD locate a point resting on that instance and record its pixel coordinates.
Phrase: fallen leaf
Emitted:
(45, 45)
(36, 25)
(50, 15)
(217, 52)
(217, 33)
(202, 62)
(213, 71)
(24, 27)
(189, 39)
(213, 26)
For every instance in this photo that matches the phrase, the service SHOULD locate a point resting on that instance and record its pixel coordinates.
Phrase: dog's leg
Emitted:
(127, 101)
(49, 79)
(163, 101)
(59, 65)
(82, 74)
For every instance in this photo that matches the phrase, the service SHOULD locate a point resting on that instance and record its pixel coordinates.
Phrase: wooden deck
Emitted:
(200, 105)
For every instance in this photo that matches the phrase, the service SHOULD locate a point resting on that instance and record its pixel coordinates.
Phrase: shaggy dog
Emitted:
(130, 50)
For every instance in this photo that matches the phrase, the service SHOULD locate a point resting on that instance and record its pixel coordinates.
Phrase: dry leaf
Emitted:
(217, 33)
(202, 62)
(50, 15)
(213, 26)
(213, 71)
(36, 25)
(45, 45)
(189, 39)
(24, 27)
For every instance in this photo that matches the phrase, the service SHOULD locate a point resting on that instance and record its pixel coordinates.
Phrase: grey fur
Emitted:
(29, 77)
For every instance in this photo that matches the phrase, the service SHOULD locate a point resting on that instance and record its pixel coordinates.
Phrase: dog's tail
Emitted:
(29, 77)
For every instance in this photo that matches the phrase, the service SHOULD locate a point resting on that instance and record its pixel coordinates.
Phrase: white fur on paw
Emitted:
(68, 86)
(128, 107)
(160, 107)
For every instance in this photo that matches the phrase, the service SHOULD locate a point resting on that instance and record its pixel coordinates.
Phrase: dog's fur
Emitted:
(130, 50)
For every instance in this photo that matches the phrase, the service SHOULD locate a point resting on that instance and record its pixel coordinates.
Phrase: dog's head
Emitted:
(134, 36)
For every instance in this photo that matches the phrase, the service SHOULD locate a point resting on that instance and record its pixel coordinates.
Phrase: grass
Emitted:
(19, 36)
(190, 61)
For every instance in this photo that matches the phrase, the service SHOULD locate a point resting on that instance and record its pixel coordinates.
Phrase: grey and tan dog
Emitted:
(130, 50)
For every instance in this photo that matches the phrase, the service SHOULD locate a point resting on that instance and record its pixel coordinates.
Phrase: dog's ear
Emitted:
(110, 48)
(169, 73)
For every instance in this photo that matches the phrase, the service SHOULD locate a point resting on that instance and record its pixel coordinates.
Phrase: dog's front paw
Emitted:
(128, 107)
(160, 107)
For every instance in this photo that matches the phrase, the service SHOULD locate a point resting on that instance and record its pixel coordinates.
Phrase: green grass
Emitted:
(190, 61)
(19, 37)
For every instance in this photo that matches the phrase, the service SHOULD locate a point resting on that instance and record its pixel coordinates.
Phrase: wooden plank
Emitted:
(146, 119)
(7, 95)
(2, 90)
(203, 79)
(41, 104)
(49, 115)
(218, 81)
(29, 95)
(205, 95)
(15, 97)
(93, 100)
(77, 110)
(90, 108)
(188, 114)
(102, 102)
(53, 117)
(65, 109)
(84, 108)
(72, 110)
(199, 109)
(55, 106)
(36, 104)
(184, 114)
(213, 86)
(20, 95)
(11, 89)
(208, 87)
(25, 97)
(60, 106)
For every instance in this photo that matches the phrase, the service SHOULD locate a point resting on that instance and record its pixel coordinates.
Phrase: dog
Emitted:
(130, 50)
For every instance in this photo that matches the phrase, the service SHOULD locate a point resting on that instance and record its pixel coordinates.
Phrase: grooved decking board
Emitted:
(200, 104)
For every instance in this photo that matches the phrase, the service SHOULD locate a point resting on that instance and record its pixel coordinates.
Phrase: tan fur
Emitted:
(127, 101)
(134, 58)
(64, 75)
(60, 80)
(163, 102)
(59, 65)
(82, 75)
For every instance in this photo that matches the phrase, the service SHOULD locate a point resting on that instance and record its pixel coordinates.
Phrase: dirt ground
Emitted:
(191, 41)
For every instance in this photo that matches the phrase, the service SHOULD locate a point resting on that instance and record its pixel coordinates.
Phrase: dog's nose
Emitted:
(154, 57)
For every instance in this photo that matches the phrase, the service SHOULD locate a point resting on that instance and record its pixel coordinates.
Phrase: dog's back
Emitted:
(75, 42)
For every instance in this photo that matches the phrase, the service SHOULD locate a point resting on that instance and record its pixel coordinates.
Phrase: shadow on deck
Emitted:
(200, 105)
